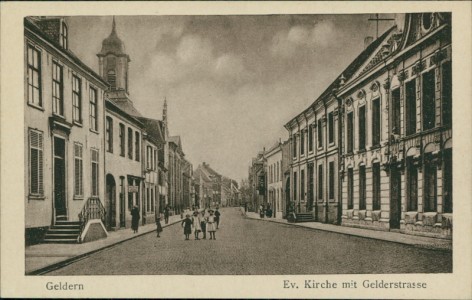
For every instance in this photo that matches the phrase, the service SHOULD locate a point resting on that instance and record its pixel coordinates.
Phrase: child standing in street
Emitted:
(211, 226)
(203, 224)
(187, 225)
(196, 224)
(217, 218)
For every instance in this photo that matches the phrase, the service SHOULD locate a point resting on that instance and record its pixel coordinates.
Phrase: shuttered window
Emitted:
(95, 171)
(34, 76)
(78, 170)
(36, 163)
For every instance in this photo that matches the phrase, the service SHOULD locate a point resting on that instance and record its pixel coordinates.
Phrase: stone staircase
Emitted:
(63, 231)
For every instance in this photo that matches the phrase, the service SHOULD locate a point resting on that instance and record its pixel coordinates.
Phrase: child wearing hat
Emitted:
(211, 226)
(196, 224)
(187, 225)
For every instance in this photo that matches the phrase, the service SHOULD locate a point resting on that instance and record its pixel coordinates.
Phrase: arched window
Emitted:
(111, 78)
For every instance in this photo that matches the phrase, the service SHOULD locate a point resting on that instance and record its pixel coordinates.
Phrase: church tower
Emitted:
(164, 118)
(113, 62)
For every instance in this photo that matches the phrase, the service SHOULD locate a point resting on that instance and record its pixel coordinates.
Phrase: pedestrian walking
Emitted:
(196, 224)
(211, 226)
(217, 218)
(187, 225)
(135, 219)
(166, 214)
(158, 224)
(203, 224)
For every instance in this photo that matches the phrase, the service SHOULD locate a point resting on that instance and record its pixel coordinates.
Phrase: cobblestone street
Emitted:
(246, 246)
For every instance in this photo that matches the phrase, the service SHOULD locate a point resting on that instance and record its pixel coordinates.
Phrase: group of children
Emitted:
(201, 222)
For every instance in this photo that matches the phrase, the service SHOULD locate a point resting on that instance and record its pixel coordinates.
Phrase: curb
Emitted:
(68, 261)
(423, 246)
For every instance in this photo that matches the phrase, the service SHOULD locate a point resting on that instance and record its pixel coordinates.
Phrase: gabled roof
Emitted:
(111, 106)
(127, 105)
(153, 129)
(199, 173)
(176, 140)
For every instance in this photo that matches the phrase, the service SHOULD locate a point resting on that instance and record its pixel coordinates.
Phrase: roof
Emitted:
(113, 44)
(153, 129)
(126, 105)
(111, 105)
(30, 24)
(349, 71)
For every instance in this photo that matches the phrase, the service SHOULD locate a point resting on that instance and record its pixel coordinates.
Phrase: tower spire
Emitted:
(113, 29)
(164, 112)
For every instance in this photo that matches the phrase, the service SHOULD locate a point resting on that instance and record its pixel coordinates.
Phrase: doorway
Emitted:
(60, 179)
(395, 198)
(111, 201)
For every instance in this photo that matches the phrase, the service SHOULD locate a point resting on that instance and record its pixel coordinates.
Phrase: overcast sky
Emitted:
(231, 82)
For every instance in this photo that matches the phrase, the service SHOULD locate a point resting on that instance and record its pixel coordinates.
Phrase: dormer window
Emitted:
(64, 36)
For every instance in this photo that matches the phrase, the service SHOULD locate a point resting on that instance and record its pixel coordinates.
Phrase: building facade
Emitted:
(397, 126)
(275, 179)
(64, 129)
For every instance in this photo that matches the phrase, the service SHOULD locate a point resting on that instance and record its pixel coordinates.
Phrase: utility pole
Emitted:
(377, 19)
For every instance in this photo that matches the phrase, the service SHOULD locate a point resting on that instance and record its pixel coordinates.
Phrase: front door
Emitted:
(395, 198)
(59, 179)
(111, 201)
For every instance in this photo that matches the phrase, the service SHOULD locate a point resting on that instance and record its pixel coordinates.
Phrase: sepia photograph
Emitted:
(313, 147)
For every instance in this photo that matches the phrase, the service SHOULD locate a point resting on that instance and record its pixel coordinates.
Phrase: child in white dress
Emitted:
(211, 225)
(196, 224)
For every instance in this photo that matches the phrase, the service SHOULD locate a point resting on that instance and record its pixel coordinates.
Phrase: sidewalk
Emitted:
(413, 240)
(46, 257)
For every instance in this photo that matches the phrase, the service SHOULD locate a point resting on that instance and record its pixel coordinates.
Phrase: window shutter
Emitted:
(36, 162)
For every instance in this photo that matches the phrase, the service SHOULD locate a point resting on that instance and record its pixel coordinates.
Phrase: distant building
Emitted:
(258, 181)
(64, 134)
(275, 179)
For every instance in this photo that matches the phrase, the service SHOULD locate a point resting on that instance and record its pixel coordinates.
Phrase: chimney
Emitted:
(367, 41)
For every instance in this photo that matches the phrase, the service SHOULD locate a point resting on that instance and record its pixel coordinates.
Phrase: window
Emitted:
(447, 179)
(137, 142)
(76, 99)
(148, 158)
(295, 182)
(320, 182)
(152, 200)
(64, 36)
(320, 133)
(376, 186)
(34, 76)
(410, 103)
(278, 169)
(310, 138)
(78, 170)
(148, 199)
(362, 204)
(122, 139)
(428, 105)
(93, 109)
(350, 188)
(412, 185)
(109, 134)
(95, 172)
(155, 159)
(36, 163)
(294, 141)
(302, 142)
(111, 78)
(302, 185)
(57, 89)
(331, 128)
(396, 122)
(350, 132)
(331, 180)
(446, 94)
(130, 143)
(376, 122)
(430, 184)
(362, 131)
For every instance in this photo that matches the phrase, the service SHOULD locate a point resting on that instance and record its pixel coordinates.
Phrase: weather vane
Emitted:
(377, 19)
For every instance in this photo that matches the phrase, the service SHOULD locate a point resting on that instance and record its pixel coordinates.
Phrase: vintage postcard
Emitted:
(236, 149)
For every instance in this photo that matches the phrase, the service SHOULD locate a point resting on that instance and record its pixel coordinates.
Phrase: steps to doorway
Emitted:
(64, 232)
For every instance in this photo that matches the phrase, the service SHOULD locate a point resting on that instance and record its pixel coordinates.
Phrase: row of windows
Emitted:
(35, 87)
(430, 185)
(331, 182)
(320, 141)
(275, 172)
(36, 152)
(428, 113)
(122, 137)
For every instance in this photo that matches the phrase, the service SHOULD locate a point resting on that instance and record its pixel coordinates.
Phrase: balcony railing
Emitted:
(93, 209)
